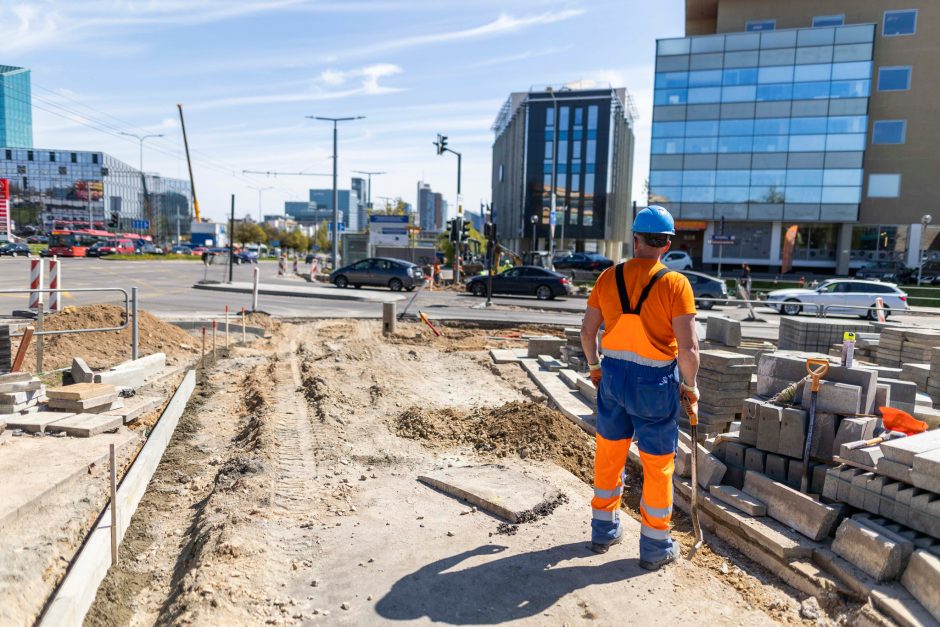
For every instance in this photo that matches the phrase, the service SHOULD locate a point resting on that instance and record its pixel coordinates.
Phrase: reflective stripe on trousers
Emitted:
(609, 461)
(656, 504)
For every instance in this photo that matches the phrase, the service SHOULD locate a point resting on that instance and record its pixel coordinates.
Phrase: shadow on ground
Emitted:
(499, 590)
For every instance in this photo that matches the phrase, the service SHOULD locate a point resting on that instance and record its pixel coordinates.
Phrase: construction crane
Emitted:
(189, 163)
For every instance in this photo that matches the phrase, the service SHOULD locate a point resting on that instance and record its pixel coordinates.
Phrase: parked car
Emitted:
(245, 256)
(380, 271)
(929, 273)
(181, 250)
(524, 281)
(709, 291)
(891, 271)
(582, 261)
(840, 296)
(149, 249)
(116, 247)
(37, 239)
(14, 249)
(95, 249)
(677, 260)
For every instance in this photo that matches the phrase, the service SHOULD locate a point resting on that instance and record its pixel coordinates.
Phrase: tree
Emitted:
(249, 233)
(397, 207)
(323, 237)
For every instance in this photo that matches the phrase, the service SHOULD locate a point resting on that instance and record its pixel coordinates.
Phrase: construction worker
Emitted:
(649, 340)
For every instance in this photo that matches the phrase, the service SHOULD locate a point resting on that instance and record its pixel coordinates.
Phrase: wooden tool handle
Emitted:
(817, 369)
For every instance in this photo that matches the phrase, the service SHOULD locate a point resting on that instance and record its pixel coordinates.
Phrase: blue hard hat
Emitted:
(654, 219)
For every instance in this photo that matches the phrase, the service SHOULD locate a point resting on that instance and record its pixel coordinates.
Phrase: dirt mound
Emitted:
(463, 337)
(526, 429)
(106, 349)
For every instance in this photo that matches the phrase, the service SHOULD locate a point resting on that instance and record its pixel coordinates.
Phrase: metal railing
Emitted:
(819, 309)
(130, 317)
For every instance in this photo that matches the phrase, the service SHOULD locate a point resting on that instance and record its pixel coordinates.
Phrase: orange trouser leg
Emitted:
(656, 504)
(609, 460)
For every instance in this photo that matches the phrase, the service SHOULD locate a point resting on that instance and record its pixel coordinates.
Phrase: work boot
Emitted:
(671, 555)
(603, 547)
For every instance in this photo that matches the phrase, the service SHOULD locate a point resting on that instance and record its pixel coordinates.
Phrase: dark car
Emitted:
(37, 239)
(379, 271)
(890, 271)
(708, 290)
(929, 273)
(14, 250)
(524, 281)
(245, 256)
(95, 249)
(582, 261)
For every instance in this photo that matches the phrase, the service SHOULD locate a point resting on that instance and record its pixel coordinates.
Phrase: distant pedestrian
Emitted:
(437, 273)
(746, 280)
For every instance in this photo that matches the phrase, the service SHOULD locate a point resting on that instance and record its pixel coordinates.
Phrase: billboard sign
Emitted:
(388, 230)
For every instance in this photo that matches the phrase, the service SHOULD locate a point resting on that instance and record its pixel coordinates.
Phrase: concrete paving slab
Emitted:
(80, 391)
(903, 450)
(85, 425)
(739, 500)
(798, 511)
(37, 422)
(499, 490)
(20, 386)
(135, 407)
(15, 377)
(81, 373)
(507, 355)
(84, 404)
(922, 580)
(882, 556)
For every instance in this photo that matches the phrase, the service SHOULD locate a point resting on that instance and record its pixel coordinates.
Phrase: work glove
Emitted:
(690, 396)
(595, 375)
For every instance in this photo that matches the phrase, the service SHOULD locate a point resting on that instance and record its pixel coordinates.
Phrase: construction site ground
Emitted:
(289, 495)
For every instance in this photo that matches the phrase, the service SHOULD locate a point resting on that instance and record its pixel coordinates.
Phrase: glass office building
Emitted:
(16, 115)
(763, 129)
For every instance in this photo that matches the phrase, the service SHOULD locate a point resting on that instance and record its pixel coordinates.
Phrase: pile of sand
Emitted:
(105, 349)
(526, 429)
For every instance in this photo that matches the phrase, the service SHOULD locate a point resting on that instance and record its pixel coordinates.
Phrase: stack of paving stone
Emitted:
(816, 334)
(889, 346)
(866, 346)
(933, 379)
(724, 380)
(88, 398)
(916, 373)
(20, 392)
(918, 345)
(572, 353)
(6, 349)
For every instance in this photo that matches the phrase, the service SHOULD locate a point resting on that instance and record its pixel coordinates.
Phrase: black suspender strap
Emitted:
(622, 290)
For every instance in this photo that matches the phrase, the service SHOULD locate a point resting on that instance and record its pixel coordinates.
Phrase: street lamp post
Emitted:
(259, 190)
(140, 139)
(533, 219)
(551, 227)
(925, 220)
(335, 121)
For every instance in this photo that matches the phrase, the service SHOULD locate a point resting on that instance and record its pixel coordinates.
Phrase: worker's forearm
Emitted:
(688, 364)
(589, 345)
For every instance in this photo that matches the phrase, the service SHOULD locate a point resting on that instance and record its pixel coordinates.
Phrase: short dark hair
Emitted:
(656, 240)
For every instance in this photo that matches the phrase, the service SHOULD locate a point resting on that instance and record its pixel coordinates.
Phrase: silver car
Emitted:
(394, 274)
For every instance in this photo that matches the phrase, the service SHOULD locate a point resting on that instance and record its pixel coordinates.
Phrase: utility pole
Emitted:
(231, 246)
(369, 175)
(335, 122)
(140, 139)
(441, 144)
(551, 216)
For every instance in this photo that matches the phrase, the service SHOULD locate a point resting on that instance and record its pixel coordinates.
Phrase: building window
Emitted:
(884, 185)
(9, 155)
(52, 156)
(592, 118)
(894, 78)
(828, 20)
(760, 25)
(74, 157)
(94, 158)
(889, 132)
(897, 23)
(550, 117)
(29, 155)
(63, 170)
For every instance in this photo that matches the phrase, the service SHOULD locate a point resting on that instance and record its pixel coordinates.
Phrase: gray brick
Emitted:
(776, 467)
(835, 398)
(768, 428)
(895, 470)
(739, 500)
(796, 510)
(824, 432)
(831, 486)
(903, 450)
(734, 454)
(792, 432)
(853, 430)
(724, 330)
(881, 555)
(818, 478)
(749, 421)
(795, 474)
(901, 391)
(922, 580)
(755, 459)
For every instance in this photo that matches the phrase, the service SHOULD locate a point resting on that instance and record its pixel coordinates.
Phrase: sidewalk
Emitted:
(304, 290)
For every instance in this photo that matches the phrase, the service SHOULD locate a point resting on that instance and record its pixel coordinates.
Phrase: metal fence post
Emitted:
(134, 347)
(39, 327)
(254, 290)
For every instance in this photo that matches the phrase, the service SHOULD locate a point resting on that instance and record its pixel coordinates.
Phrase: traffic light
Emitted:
(465, 230)
(489, 231)
(441, 143)
(452, 230)
(115, 219)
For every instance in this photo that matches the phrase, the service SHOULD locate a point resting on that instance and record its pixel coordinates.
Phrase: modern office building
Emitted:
(771, 114)
(592, 161)
(72, 189)
(360, 188)
(347, 200)
(432, 208)
(16, 111)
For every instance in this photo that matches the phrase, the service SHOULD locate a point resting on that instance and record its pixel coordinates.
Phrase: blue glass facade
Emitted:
(16, 116)
(762, 126)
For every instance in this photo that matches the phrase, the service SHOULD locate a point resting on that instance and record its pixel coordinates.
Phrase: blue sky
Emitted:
(248, 71)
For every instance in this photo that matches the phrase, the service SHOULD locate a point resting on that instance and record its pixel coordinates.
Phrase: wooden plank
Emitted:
(85, 425)
(80, 391)
(75, 595)
(21, 351)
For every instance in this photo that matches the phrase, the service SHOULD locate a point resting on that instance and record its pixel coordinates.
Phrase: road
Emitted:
(165, 288)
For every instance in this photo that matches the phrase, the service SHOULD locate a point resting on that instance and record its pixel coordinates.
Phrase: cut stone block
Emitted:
(37, 422)
(901, 391)
(824, 433)
(18, 398)
(866, 456)
(16, 377)
(853, 430)
(776, 467)
(683, 459)
(818, 478)
(570, 377)
(882, 397)
(723, 330)
(880, 555)
(496, 489)
(135, 407)
(834, 398)
(545, 346)
(755, 459)
(550, 363)
(80, 391)
(735, 454)
(903, 450)
(792, 432)
(739, 500)
(768, 427)
(926, 471)
(796, 510)
(749, 421)
(507, 355)
(710, 470)
(81, 373)
(734, 476)
(84, 404)
(20, 386)
(895, 470)
(922, 580)
(831, 485)
(85, 425)
(795, 474)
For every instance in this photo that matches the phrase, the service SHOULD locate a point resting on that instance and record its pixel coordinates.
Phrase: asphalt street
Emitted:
(165, 288)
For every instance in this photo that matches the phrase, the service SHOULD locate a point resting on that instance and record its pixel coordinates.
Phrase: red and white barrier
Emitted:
(55, 276)
(281, 266)
(35, 282)
(314, 268)
(880, 308)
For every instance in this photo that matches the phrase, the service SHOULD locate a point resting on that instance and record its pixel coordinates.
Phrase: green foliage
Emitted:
(249, 233)
(323, 237)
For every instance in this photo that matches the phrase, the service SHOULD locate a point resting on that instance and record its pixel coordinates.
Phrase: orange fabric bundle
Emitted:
(901, 421)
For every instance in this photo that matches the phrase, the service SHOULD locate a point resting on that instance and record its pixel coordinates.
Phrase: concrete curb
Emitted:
(295, 293)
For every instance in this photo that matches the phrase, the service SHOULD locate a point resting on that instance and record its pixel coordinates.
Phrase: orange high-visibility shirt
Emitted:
(670, 298)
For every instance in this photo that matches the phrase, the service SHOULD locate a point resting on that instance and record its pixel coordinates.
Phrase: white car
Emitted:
(840, 296)
(677, 260)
